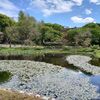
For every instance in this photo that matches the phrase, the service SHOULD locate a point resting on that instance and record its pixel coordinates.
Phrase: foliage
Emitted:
(91, 25)
(31, 32)
(97, 53)
(5, 21)
(12, 34)
(95, 36)
(79, 37)
(84, 36)
(50, 32)
(55, 26)
(26, 27)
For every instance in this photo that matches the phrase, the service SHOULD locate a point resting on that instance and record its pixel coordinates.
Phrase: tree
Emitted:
(5, 21)
(12, 35)
(79, 37)
(1, 36)
(26, 27)
(95, 36)
(83, 39)
(50, 32)
(70, 37)
(56, 27)
(21, 17)
(91, 25)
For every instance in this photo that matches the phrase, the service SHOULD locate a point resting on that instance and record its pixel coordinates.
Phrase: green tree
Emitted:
(5, 21)
(95, 36)
(26, 27)
(83, 39)
(91, 25)
(95, 31)
(12, 35)
(55, 26)
(79, 37)
(50, 32)
(71, 36)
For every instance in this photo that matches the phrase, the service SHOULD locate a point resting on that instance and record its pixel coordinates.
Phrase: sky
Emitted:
(69, 13)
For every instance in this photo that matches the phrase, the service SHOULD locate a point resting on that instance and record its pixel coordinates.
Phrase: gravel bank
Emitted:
(48, 80)
(82, 62)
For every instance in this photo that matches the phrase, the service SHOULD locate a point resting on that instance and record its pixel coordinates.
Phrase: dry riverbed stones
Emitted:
(83, 63)
(47, 80)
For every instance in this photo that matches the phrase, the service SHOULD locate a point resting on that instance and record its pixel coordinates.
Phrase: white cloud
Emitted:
(77, 19)
(88, 11)
(49, 7)
(97, 2)
(78, 2)
(8, 8)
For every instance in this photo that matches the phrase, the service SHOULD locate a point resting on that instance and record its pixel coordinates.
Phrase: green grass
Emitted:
(97, 53)
(37, 51)
(28, 51)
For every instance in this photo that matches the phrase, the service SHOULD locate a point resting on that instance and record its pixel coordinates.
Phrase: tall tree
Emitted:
(26, 26)
(5, 21)
(12, 35)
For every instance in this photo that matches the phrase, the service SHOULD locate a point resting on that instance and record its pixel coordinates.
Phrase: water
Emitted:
(56, 59)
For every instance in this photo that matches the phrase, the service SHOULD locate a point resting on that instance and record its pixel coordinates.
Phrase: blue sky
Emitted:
(65, 12)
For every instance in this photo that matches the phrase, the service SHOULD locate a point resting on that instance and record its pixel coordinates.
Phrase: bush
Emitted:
(95, 47)
(28, 42)
(39, 48)
(66, 48)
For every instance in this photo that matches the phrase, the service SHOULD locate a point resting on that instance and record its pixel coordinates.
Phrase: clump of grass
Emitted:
(97, 53)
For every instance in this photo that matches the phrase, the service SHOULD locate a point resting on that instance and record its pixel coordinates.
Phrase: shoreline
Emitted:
(82, 62)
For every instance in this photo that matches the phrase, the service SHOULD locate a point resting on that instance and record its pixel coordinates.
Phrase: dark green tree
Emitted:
(5, 21)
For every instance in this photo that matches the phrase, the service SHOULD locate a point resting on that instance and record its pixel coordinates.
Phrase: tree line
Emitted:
(27, 30)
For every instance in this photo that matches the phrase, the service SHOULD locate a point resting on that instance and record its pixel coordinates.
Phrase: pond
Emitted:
(56, 59)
